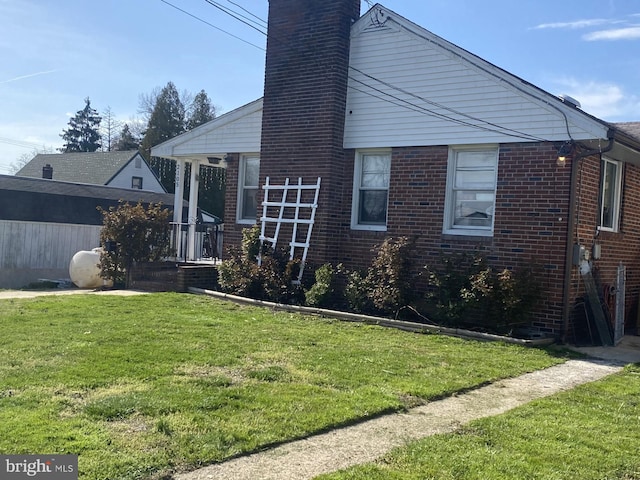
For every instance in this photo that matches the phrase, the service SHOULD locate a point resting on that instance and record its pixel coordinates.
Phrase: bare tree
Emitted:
(109, 128)
(25, 158)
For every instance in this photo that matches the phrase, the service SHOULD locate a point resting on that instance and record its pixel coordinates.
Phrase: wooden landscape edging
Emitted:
(385, 322)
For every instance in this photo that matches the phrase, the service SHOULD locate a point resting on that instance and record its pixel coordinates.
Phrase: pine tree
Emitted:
(126, 140)
(201, 111)
(83, 134)
(167, 119)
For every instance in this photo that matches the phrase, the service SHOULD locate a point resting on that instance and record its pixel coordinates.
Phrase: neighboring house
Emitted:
(43, 223)
(127, 169)
(415, 136)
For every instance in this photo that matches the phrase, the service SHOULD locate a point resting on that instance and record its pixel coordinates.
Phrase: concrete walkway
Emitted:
(7, 294)
(367, 441)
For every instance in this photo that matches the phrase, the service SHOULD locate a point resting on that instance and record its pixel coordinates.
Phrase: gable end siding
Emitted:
(440, 79)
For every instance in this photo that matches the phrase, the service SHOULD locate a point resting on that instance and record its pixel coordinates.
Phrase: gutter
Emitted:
(571, 220)
(370, 320)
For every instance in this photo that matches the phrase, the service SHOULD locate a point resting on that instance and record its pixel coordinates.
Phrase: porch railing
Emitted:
(208, 241)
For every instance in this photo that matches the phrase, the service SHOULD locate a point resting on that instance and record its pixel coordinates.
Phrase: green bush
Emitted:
(389, 278)
(138, 234)
(322, 292)
(466, 291)
(388, 284)
(272, 279)
(356, 293)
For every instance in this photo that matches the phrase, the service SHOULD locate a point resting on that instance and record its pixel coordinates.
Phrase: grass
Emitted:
(144, 386)
(589, 433)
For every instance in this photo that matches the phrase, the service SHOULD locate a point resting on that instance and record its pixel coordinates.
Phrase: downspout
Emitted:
(571, 219)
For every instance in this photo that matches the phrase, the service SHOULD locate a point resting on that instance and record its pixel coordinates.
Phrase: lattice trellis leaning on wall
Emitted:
(296, 206)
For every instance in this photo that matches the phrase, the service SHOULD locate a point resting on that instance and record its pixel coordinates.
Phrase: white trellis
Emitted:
(299, 211)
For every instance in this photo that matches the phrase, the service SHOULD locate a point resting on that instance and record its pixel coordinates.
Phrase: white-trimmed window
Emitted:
(610, 189)
(471, 190)
(249, 173)
(371, 190)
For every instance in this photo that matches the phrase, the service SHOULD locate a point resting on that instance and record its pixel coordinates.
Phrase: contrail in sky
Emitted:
(27, 76)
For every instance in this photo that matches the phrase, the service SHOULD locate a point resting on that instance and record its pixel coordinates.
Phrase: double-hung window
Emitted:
(249, 174)
(471, 190)
(610, 189)
(371, 190)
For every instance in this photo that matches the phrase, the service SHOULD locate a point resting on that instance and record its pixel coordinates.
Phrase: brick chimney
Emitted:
(47, 172)
(305, 91)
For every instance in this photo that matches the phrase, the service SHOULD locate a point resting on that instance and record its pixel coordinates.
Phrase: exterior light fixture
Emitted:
(214, 160)
(564, 152)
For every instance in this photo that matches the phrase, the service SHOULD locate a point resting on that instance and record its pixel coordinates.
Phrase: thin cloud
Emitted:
(608, 101)
(627, 33)
(22, 77)
(577, 24)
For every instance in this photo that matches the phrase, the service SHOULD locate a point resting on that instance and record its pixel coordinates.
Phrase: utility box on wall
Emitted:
(580, 253)
(597, 251)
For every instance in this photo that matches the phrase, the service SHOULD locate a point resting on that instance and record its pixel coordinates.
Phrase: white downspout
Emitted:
(193, 210)
(177, 208)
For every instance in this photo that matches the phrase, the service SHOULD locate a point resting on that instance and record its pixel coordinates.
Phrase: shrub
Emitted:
(272, 280)
(138, 234)
(465, 290)
(390, 279)
(450, 290)
(356, 293)
(322, 293)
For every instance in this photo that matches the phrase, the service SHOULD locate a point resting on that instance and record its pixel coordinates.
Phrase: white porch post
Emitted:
(177, 208)
(193, 209)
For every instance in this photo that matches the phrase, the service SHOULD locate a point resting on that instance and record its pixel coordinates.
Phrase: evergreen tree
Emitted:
(167, 119)
(126, 140)
(83, 134)
(201, 111)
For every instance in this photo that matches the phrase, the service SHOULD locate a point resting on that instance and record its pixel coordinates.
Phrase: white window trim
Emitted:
(617, 199)
(240, 196)
(355, 197)
(449, 208)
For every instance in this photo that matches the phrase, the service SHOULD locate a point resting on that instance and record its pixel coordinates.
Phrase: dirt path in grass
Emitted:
(367, 441)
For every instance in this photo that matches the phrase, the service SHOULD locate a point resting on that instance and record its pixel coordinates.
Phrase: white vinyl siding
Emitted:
(248, 189)
(123, 179)
(371, 190)
(610, 190)
(471, 191)
(440, 87)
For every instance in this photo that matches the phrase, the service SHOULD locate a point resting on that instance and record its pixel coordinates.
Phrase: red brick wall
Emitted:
(304, 103)
(622, 247)
(531, 216)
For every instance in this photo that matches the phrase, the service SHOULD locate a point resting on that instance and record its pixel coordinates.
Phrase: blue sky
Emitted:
(56, 53)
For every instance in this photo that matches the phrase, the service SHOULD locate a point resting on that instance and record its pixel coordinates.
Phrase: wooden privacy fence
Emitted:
(289, 204)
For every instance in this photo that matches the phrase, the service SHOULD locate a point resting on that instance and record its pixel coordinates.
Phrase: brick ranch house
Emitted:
(414, 136)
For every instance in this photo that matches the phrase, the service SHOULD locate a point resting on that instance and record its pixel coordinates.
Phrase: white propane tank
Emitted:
(84, 270)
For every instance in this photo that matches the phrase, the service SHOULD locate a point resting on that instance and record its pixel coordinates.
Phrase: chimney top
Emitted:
(47, 172)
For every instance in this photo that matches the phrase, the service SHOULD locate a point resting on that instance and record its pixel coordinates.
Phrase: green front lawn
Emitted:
(589, 433)
(146, 385)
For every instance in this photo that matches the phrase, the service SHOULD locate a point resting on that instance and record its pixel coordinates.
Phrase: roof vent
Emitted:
(47, 171)
(570, 101)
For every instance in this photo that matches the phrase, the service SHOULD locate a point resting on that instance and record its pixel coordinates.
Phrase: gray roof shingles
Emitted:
(40, 200)
(97, 168)
(630, 128)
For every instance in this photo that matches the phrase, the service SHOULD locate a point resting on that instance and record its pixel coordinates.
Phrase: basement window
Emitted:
(610, 188)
